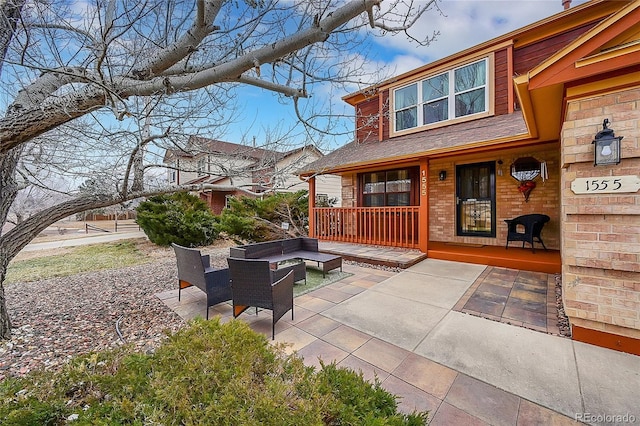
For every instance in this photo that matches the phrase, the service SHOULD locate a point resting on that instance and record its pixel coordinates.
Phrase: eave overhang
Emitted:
(478, 135)
(592, 11)
(605, 57)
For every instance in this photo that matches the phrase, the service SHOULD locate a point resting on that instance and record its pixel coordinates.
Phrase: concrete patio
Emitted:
(402, 328)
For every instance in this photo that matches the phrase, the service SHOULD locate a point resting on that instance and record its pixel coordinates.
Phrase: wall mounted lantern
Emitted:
(442, 175)
(607, 146)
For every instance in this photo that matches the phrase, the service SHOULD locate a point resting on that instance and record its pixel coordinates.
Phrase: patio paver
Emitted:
(451, 353)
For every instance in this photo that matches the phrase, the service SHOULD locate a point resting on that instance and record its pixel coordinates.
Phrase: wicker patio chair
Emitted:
(530, 228)
(253, 283)
(195, 269)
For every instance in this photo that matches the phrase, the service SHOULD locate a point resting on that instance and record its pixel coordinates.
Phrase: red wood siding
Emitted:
(502, 82)
(386, 102)
(527, 57)
(367, 120)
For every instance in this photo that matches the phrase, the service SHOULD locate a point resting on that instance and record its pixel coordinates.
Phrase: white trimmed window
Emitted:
(201, 166)
(456, 93)
(173, 171)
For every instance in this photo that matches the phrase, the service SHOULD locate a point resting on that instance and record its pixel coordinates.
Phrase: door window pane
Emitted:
(476, 200)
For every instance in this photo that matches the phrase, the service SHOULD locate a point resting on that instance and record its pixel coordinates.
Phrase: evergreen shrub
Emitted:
(180, 218)
(260, 219)
(206, 374)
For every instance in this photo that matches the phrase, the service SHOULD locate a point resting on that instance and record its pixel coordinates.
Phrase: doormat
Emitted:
(465, 245)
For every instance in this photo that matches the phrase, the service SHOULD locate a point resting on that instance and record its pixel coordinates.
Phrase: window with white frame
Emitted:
(200, 167)
(455, 93)
(173, 171)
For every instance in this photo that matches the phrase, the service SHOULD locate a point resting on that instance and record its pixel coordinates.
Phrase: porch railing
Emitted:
(387, 226)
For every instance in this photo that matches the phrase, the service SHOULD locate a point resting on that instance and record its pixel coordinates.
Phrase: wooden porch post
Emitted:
(423, 211)
(312, 205)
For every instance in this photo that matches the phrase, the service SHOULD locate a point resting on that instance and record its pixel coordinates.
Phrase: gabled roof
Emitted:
(591, 11)
(198, 144)
(610, 49)
(612, 45)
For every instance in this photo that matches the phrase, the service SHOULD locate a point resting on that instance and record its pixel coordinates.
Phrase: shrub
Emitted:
(261, 219)
(179, 218)
(207, 373)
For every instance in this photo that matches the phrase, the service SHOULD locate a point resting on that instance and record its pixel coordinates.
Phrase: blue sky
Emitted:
(463, 24)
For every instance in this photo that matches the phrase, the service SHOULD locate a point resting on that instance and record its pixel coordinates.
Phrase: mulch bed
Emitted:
(56, 319)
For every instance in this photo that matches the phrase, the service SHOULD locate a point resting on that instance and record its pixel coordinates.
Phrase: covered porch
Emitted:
(548, 261)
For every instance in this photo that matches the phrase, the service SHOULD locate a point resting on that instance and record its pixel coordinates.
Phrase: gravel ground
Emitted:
(56, 319)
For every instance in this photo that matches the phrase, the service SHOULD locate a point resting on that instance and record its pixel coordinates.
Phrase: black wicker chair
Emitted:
(526, 228)
(254, 283)
(195, 269)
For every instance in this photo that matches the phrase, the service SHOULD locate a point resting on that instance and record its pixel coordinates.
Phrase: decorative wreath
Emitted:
(525, 188)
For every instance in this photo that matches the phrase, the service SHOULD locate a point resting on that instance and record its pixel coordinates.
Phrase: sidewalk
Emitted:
(83, 239)
(401, 329)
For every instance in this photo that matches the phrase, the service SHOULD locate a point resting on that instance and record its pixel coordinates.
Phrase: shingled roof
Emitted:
(450, 138)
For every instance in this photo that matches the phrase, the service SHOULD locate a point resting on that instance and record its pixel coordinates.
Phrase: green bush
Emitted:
(179, 218)
(208, 374)
(260, 219)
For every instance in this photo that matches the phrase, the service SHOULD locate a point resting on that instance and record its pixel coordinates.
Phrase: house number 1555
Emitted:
(606, 185)
(596, 185)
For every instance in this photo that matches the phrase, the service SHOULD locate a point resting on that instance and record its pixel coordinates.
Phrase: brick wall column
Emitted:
(601, 232)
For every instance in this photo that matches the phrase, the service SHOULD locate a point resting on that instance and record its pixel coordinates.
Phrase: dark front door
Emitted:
(476, 198)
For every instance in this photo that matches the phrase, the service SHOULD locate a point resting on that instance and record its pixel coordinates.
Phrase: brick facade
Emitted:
(545, 198)
(601, 233)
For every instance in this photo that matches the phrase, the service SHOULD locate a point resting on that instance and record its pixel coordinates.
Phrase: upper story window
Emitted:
(173, 171)
(455, 93)
(201, 166)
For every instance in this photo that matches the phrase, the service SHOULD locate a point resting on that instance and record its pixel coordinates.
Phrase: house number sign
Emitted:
(606, 185)
(423, 183)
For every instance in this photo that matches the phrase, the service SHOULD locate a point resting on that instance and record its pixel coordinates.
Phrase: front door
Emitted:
(476, 198)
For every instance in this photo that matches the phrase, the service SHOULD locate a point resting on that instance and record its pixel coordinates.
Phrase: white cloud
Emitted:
(467, 23)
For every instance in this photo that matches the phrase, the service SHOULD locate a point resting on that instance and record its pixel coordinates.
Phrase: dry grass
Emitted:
(74, 260)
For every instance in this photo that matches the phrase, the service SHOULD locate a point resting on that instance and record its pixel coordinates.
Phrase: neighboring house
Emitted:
(230, 170)
(442, 155)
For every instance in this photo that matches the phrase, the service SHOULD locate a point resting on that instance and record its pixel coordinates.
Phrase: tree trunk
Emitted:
(5, 321)
(17, 238)
(10, 12)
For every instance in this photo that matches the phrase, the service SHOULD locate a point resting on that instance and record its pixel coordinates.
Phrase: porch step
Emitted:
(548, 261)
(374, 255)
